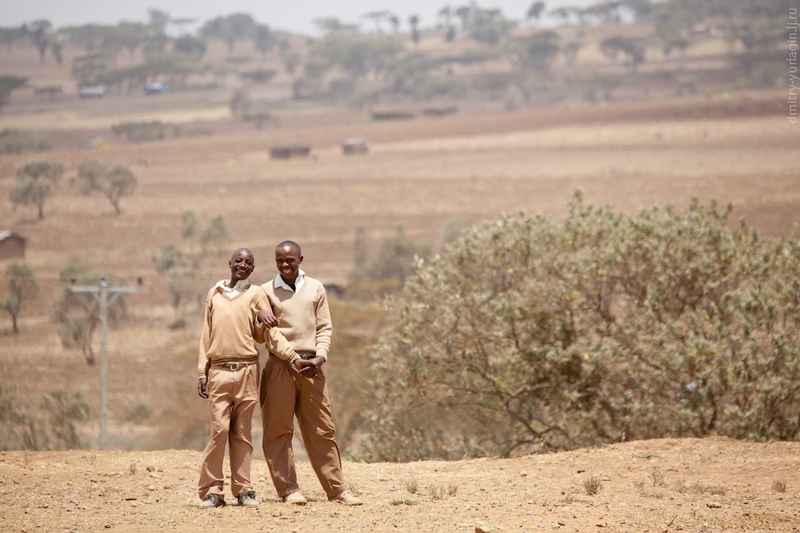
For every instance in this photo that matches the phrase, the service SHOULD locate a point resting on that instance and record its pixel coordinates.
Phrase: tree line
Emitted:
(386, 63)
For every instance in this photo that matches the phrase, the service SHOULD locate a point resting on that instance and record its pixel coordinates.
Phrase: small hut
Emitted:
(289, 151)
(355, 145)
(12, 246)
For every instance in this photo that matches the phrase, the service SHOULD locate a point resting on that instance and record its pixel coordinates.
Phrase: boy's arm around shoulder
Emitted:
(269, 335)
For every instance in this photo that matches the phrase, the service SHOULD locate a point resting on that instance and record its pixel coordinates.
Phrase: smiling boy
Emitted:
(228, 377)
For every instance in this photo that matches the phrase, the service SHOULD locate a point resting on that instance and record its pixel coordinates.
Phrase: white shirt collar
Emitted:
(301, 276)
(237, 289)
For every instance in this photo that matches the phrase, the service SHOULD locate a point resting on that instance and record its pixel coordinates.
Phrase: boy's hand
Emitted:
(201, 388)
(309, 367)
(266, 317)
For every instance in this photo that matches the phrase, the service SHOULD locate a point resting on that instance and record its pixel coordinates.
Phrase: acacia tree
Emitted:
(115, 183)
(413, 21)
(22, 287)
(78, 314)
(186, 266)
(537, 52)
(39, 32)
(633, 49)
(263, 38)
(11, 35)
(527, 335)
(230, 28)
(35, 181)
(8, 84)
(535, 11)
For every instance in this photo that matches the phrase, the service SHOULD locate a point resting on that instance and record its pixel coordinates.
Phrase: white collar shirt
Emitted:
(236, 290)
(298, 283)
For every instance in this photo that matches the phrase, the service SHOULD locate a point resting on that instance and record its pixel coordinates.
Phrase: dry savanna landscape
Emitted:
(475, 165)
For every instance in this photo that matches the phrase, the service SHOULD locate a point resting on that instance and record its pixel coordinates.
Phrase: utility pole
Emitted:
(100, 292)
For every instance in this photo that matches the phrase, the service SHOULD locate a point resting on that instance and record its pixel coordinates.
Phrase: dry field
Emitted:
(709, 485)
(422, 173)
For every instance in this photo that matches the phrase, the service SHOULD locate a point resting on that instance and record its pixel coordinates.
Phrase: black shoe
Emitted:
(211, 501)
(247, 498)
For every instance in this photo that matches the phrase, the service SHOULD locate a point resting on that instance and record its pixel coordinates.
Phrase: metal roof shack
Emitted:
(355, 145)
(288, 151)
(12, 246)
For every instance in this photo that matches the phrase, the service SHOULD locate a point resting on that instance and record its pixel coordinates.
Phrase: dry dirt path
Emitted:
(702, 485)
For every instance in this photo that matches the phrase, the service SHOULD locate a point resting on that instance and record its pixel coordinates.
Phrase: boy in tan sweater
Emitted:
(237, 315)
(298, 388)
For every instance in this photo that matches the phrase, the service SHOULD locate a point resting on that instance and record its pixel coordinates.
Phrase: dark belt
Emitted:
(232, 366)
(305, 356)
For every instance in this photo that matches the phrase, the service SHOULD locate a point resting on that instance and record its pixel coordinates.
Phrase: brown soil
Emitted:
(709, 485)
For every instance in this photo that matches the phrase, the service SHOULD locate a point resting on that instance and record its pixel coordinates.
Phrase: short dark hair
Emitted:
(290, 244)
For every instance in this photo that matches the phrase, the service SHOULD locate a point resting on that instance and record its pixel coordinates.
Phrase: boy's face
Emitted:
(242, 264)
(288, 260)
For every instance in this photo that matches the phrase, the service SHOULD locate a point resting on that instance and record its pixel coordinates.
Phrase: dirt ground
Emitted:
(709, 485)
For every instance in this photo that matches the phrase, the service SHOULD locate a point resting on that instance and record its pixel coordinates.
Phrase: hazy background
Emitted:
(635, 104)
(294, 16)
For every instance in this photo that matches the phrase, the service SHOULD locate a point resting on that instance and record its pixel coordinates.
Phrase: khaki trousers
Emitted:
(284, 394)
(232, 397)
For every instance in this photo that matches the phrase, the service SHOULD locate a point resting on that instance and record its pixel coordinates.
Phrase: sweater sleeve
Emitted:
(273, 339)
(277, 345)
(324, 325)
(205, 338)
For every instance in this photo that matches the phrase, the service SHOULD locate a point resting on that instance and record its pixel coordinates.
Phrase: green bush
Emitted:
(16, 142)
(527, 335)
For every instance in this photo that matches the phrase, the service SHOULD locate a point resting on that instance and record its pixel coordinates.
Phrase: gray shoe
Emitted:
(211, 501)
(247, 498)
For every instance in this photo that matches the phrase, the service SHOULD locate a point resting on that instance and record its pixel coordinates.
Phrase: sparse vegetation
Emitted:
(592, 485)
(392, 259)
(657, 477)
(155, 131)
(35, 183)
(411, 485)
(699, 487)
(20, 289)
(403, 502)
(94, 177)
(440, 492)
(77, 315)
(9, 84)
(188, 267)
(52, 426)
(17, 142)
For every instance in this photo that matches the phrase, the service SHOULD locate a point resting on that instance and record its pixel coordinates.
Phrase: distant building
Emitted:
(12, 246)
(92, 91)
(355, 145)
(289, 151)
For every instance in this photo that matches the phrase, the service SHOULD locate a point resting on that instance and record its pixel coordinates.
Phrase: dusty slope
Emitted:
(659, 485)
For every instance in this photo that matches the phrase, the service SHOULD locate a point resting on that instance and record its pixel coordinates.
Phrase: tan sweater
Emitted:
(304, 315)
(229, 332)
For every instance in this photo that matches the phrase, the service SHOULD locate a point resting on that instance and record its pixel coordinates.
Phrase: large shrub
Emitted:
(527, 335)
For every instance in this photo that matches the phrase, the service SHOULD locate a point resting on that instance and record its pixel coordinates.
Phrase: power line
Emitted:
(100, 292)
